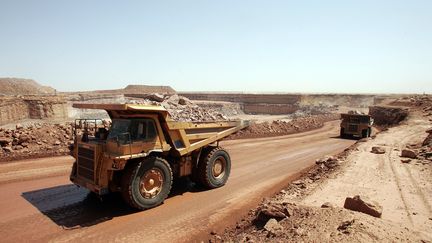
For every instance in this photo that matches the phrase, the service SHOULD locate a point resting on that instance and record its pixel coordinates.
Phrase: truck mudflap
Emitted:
(90, 186)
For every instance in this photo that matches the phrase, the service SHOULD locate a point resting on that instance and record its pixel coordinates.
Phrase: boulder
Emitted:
(299, 183)
(368, 207)
(274, 210)
(19, 126)
(323, 160)
(18, 147)
(345, 225)
(327, 205)
(183, 101)
(331, 163)
(8, 149)
(428, 139)
(273, 226)
(378, 150)
(405, 160)
(4, 141)
(408, 153)
(23, 139)
(155, 97)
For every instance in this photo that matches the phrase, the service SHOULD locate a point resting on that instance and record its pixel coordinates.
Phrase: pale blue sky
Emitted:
(256, 46)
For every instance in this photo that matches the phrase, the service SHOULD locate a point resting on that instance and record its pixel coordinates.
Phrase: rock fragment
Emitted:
(273, 226)
(4, 141)
(377, 150)
(408, 153)
(327, 205)
(368, 207)
(273, 210)
(344, 226)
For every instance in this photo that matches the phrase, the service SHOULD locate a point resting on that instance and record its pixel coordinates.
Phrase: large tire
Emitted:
(214, 168)
(147, 183)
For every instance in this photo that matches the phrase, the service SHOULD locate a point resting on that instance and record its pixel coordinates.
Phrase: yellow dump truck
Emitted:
(359, 125)
(144, 150)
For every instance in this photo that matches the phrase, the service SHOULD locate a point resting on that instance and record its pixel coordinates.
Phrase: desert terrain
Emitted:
(293, 178)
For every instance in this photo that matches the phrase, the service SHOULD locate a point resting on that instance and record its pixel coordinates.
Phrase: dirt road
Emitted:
(38, 203)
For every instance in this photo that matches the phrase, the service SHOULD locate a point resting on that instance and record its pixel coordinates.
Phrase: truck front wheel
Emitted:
(214, 168)
(147, 183)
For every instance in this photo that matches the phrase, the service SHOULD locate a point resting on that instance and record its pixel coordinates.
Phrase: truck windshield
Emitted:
(119, 126)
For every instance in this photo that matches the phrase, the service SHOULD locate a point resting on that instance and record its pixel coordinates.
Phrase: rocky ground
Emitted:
(35, 140)
(379, 190)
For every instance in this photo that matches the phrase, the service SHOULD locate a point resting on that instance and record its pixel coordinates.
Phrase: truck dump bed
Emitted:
(184, 137)
(189, 136)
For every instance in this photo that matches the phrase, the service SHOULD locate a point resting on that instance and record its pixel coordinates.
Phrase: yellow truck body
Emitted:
(144, 150)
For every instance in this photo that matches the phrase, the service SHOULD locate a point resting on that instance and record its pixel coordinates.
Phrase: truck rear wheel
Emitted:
(147, 183)
(214, 168)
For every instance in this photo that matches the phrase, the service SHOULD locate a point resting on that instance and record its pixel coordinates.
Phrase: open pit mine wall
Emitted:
(13, 109)
(284, 103)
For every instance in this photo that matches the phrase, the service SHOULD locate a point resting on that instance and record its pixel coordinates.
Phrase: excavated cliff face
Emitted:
(14, 109)
(42, 108)
(276, 104)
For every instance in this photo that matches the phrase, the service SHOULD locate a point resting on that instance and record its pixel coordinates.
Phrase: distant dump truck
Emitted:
(144, 150)
(358, 125)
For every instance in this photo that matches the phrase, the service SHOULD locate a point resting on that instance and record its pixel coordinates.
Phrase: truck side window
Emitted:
(143, 129)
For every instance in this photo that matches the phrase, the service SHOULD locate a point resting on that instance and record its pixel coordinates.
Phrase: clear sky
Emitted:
(253, 46)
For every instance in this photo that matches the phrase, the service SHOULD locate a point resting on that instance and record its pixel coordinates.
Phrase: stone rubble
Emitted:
(363, 205)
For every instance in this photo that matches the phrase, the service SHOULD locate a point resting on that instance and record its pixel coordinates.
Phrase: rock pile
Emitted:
(35, 140)
(387, 116)
(279, 128)
(421, 153)
(180, 108)
(425, 151)
(328, 161)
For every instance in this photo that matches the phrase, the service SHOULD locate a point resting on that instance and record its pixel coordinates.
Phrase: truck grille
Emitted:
(86, 163)
(352, 128)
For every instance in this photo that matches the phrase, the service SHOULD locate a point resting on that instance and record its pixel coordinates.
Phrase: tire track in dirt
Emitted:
(418, 191)
(409, 179)
(399, 187)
